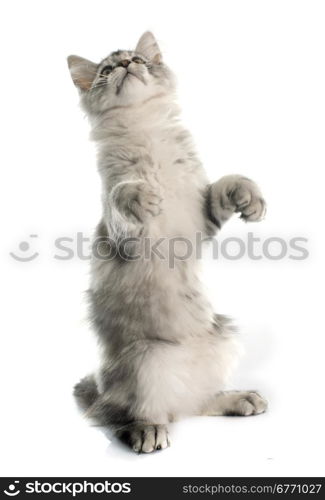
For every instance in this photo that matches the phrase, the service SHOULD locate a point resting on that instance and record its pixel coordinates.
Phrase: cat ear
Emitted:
(82, 71)
(148, 46)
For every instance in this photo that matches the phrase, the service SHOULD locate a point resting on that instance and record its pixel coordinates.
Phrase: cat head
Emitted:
(124, 78)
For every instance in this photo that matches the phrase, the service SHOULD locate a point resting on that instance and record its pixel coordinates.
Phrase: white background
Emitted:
(260, 111)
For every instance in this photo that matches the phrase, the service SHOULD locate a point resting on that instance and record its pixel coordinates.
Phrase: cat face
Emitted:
(123, 78)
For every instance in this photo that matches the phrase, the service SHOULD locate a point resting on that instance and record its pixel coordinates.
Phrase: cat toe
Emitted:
(252, 404)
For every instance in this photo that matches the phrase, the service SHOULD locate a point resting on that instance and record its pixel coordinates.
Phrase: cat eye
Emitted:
(106, 70)
(137, 60)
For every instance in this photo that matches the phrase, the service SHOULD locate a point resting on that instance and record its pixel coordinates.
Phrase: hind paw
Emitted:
(144, 438)
(246, 404)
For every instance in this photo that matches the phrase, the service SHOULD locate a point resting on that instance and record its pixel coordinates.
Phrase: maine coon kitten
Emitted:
(165, 353)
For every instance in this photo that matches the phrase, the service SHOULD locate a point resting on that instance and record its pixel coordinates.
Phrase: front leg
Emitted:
(131, 205)
(234, 193)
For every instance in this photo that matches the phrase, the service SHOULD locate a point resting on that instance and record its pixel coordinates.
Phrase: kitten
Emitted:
(165, 353)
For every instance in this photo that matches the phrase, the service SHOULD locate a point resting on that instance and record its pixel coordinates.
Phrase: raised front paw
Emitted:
(248, 200)
(234, 193)
(147, 202)
(137, 201)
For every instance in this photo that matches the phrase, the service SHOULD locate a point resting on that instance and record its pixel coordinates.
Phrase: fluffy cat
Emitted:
(164, 352)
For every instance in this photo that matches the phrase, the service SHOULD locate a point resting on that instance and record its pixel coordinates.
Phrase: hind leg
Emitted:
(235, 403)
(145, 438)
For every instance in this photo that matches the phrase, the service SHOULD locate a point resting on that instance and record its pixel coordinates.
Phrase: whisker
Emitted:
(98, 85)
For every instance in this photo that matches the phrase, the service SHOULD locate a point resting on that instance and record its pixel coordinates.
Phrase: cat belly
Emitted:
(176, 380)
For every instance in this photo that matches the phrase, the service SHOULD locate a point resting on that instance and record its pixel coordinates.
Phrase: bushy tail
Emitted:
(98, 408)
(86, 392)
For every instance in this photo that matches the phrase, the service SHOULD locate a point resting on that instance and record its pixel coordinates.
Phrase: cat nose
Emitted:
(124, 63)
